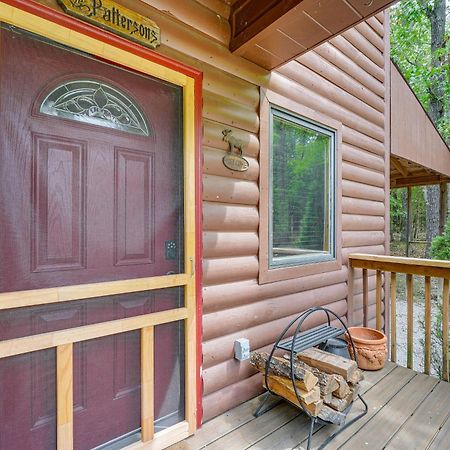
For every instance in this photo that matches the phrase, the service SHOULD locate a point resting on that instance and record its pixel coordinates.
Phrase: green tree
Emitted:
(420, 47)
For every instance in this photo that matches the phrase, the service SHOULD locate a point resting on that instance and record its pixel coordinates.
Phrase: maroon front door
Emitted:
(90, 191)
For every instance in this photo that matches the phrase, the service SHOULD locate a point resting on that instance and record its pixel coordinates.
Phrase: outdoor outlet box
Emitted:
(242, 349)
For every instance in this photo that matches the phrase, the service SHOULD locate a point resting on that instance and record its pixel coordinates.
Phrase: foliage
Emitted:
(299, 180)
(398, 206)
(440, 247)
(411, 51)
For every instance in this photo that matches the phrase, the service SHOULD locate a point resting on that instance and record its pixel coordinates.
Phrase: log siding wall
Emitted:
(344, 79)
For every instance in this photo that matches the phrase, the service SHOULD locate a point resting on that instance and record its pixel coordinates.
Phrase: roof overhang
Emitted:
(419, 155)
(272, 32)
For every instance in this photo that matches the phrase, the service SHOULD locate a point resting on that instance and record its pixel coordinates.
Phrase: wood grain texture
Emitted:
(64, 397)
(147, 384)
(445, 320)
(393, 317)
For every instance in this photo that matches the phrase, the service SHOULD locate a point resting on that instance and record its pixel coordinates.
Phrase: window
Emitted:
(300, 190)
(90, 101)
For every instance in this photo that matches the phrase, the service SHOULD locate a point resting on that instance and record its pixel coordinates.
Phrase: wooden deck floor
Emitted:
(407, 411)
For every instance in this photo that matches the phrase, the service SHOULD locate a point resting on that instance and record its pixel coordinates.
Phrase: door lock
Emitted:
(171, 250)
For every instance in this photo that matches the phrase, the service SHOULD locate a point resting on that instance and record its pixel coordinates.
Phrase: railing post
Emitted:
(394, 317)
(427, 362)
(64, 397)
(445, 319)
(410, 320)
(365, 280)
(147, 384)
(378, 295)
(350, 306)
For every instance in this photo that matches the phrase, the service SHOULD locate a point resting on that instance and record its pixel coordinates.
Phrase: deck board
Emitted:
(407, 410)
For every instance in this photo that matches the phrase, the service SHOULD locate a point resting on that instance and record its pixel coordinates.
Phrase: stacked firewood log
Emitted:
(326, 384)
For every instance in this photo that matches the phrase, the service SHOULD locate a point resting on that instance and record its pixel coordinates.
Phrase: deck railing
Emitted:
(391, 266)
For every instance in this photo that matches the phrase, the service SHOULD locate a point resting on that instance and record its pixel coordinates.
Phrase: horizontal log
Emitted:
(337, 94)
(360, 140)
(218, 82)
(372, 249)
(353, 172)
(360, 58)
(360, 190)
(362, 158)
(376, 26)
(364, 207)
(204, 20)
(380, 16)
(213, 165)
(224, 296)
(356, 222)
(364, 46)
(250, 315)
(225, 270)
(337, 58)
(358, 284)
(220, 109)
(360, 238)
(226, 190)
(219, 244)
(370, 34)
(296, 92)
(282, 368)
(358, 315)
(226, 217)
(216, 351)
(213, 137)
(218, 402)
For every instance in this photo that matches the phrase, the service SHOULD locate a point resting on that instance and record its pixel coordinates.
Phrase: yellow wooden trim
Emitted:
(64, 397)
(43, 341)
(79, 41)
(190, 242)
(19, 299)
(164, 438)
(147, 384)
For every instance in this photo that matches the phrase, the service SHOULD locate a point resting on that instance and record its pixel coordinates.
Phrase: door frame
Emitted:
(57, 26)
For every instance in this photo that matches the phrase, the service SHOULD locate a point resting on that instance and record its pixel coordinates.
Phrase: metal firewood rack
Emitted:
(301, 340)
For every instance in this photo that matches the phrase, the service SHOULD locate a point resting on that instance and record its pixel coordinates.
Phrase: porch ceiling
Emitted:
(419, 156)
(272, 32)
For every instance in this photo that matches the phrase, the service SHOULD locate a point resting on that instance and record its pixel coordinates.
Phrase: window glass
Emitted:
(302, 196)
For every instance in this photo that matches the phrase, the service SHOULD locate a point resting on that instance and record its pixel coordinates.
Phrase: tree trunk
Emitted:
(436, 14)
(432, 197)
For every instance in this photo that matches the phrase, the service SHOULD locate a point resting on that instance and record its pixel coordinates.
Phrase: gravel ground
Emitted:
(419, 315)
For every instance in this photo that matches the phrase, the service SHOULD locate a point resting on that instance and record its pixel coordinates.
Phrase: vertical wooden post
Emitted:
(445, 319)
(64, 397)
(410, 320)
(427, 362)
(443, 207)
(350, 306)
(147, 384)
(394, 317)
(365, 280)
(378, 296)
(408, 220)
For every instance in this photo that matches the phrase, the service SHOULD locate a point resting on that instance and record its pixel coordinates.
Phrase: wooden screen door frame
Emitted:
(54, 25)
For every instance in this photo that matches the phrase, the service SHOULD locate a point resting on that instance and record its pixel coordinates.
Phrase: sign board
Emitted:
(115, 18)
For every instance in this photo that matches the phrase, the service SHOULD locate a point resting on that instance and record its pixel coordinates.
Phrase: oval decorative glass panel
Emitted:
(96, 103)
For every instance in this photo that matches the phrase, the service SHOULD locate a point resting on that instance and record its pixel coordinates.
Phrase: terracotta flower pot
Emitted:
(370, 347)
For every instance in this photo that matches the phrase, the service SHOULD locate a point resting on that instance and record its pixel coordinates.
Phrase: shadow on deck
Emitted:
(407, 411)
